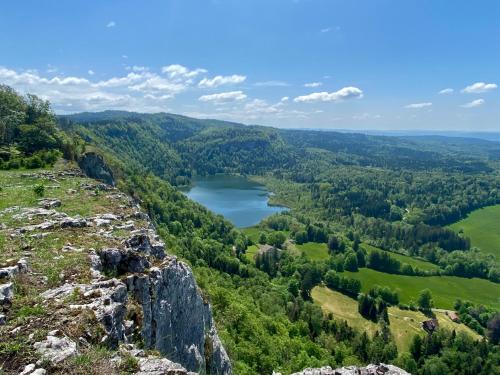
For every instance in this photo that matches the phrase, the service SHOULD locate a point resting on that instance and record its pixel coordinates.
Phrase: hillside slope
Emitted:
(83, 272)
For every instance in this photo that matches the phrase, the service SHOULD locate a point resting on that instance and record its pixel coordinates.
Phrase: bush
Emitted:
(39, 190)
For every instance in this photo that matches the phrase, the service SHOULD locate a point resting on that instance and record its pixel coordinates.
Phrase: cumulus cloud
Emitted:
(138, 90)
(446, 91)
(221, 80)
(223, 97)
(344, 93)
(179, 72)
(285, 99)
(313, 84)
(479, 87)
(473, 104)
(326, 30)
(111, 24)
(418, 105)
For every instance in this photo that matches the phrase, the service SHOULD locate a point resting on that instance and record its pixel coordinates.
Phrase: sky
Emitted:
(352, 64)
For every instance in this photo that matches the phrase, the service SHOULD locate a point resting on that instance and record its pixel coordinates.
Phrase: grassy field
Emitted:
(253, 233)
(421, 264)
(251, 252)
(483, 228)
(314, 250)
(445, 289)
(404, 324)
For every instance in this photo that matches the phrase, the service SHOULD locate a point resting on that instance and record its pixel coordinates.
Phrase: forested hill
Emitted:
(173, 146)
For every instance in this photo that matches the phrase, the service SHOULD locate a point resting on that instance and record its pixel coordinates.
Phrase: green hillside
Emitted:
(483, 228)
(445, 289)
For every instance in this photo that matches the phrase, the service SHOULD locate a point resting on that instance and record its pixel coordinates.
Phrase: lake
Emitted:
(239, 200)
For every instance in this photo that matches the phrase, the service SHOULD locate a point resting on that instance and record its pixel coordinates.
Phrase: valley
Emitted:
(347, 273)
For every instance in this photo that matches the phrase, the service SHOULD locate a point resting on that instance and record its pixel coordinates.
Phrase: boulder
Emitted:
(145, 242)
(122, 261)
(56, 350)
(49, 203)
(20, 267)
(6, 293)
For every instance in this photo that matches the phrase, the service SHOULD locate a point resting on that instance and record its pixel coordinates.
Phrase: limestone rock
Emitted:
(143, 241)
(176, 320)
(56, 350)
(380, 369)
(6, 293)
(94, 166)
(49, 203)
(107, 299)
(20, 267)
(32, 370)
(160, 366)
(122, 261)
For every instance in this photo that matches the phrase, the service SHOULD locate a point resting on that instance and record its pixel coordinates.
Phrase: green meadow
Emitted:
(482, 226)
(314, 250)
(445, 289)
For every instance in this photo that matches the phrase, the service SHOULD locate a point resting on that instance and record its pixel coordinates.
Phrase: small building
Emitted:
(263, 249)
(453, 316)
(430, 325)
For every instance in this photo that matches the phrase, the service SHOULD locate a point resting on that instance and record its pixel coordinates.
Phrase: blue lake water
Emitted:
(239, 200)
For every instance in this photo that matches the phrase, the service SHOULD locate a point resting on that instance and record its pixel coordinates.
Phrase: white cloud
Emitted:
(479, 87)
(473, 104)
(138, 90)
(342, 94)
(180, 72)
(284, 99)
(313, 84)
(446, 91)
(272, 84)
(223, 97)
(221, 80)
(418, 105)
(326, 29)
(111, 24)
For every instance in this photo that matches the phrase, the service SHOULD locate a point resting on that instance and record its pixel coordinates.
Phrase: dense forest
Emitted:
(343, 189)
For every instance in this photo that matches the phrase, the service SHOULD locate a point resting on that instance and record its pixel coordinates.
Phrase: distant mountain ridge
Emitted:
(173, 146)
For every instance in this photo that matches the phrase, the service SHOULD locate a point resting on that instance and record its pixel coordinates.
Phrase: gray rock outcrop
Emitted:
(176, 320)
(55, 349)
(94, 166)
(380, 369)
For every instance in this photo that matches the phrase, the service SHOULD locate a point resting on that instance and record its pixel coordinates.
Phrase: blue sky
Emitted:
(373, 64)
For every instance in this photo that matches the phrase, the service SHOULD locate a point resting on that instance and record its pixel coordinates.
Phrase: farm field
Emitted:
(421, 264)
(313, 250)
(404, 324)
(482, 226)
(445, 289)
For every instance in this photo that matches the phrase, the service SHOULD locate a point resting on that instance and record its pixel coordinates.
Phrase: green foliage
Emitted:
(425, 300)
(343, 284)
(29, 137)
(39, 190)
